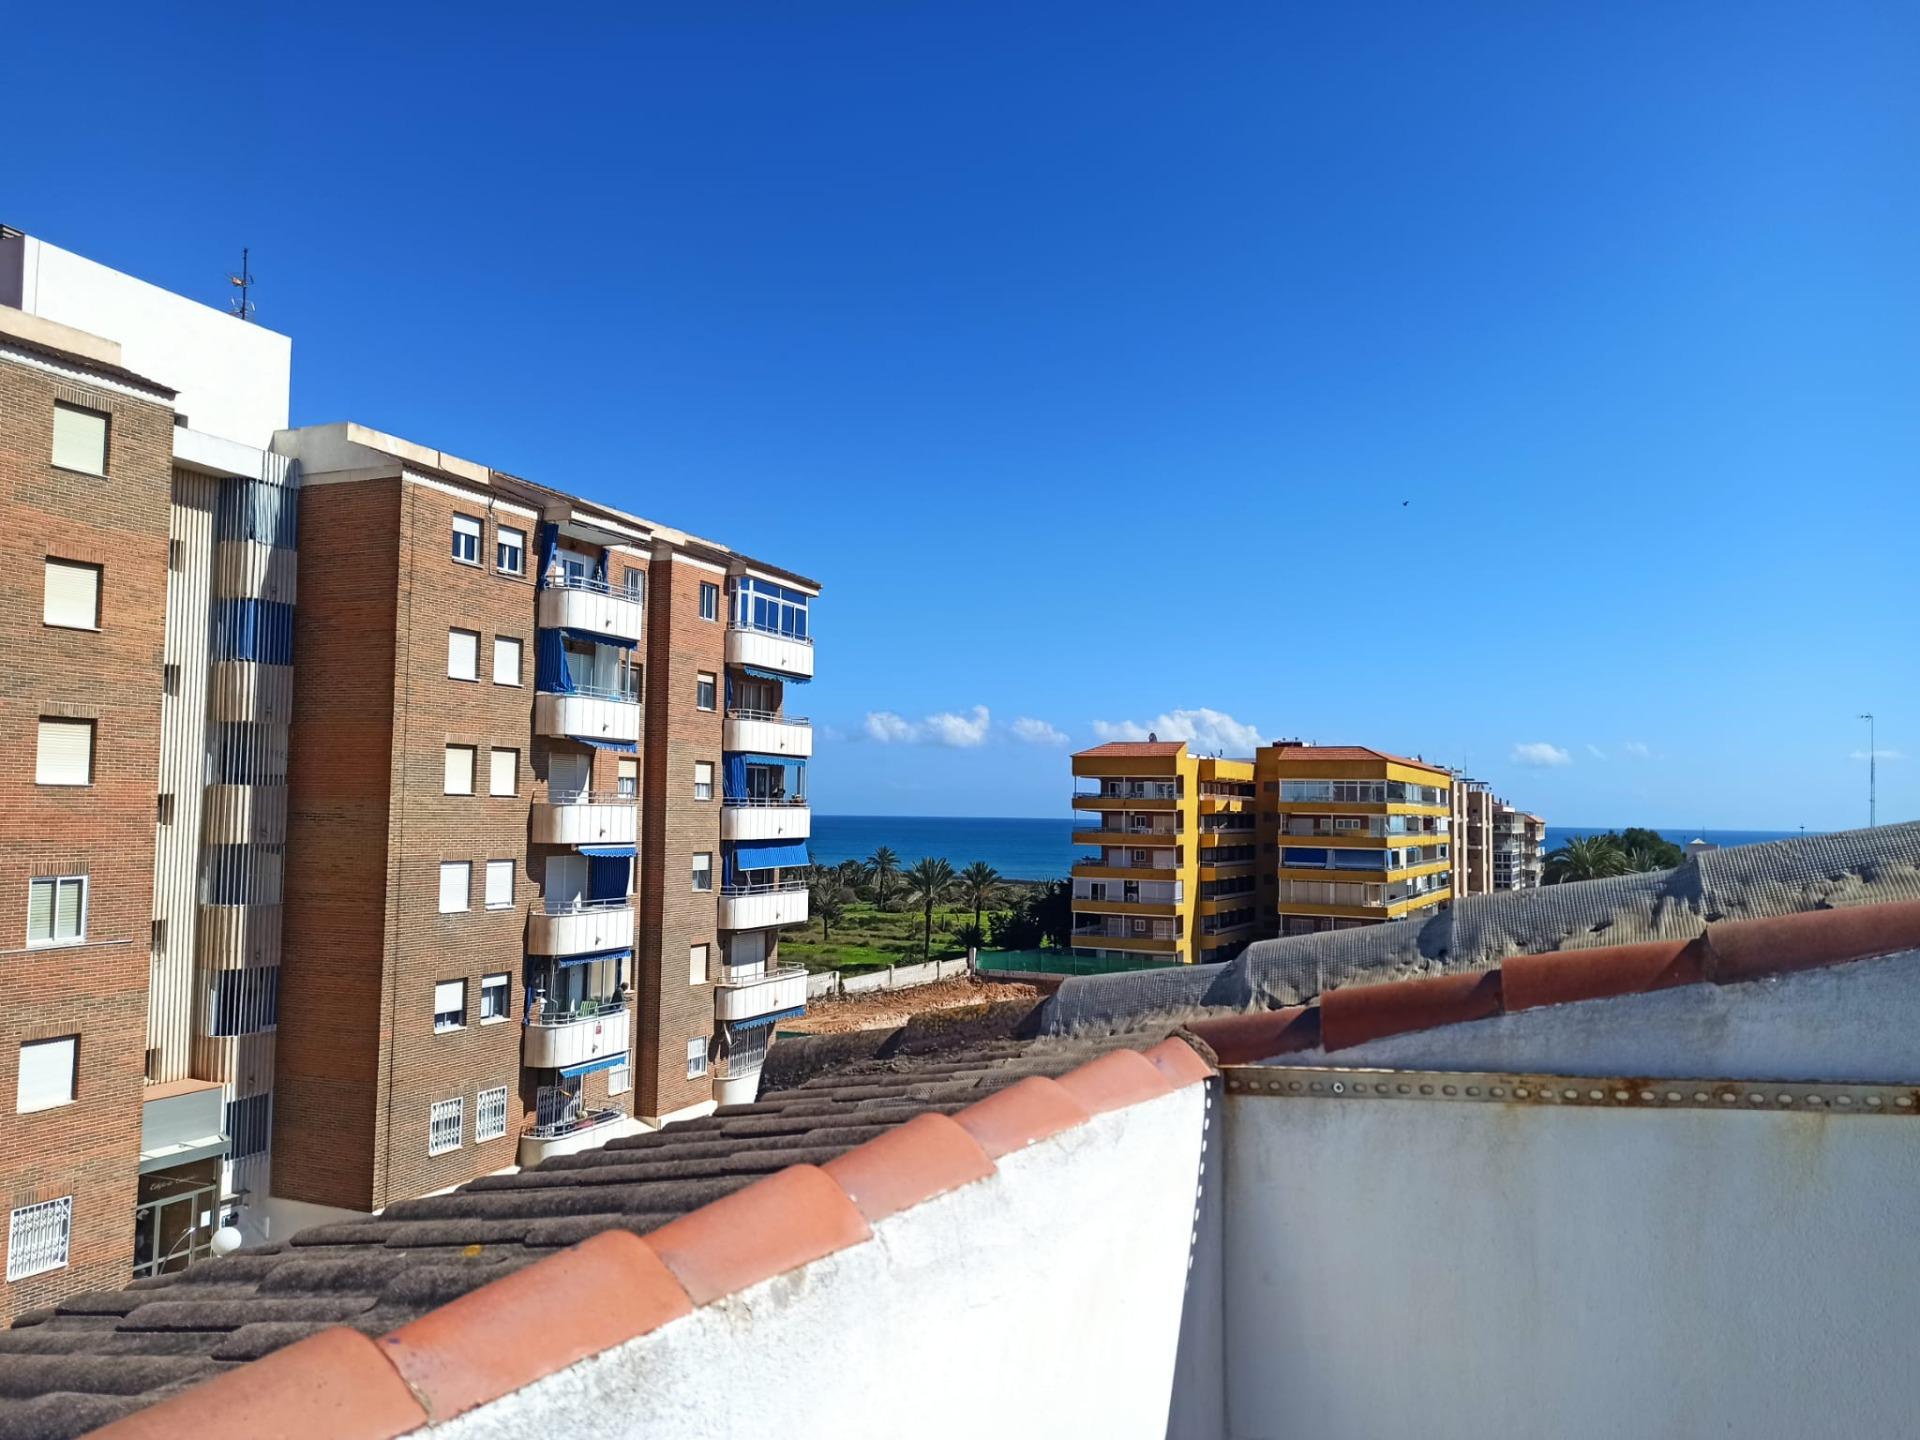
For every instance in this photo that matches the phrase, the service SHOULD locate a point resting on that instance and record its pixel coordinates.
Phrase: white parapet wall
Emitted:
(1062, 1305)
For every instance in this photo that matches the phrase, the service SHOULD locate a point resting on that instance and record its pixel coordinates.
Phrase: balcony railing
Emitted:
(784, 988)
(587, 817)
(758, 907)
(755, 818)
(766, 732)
(592, 607)
(579, 927)
(591, 713)
(770, 650)
(569, 1133)
(589, 1031)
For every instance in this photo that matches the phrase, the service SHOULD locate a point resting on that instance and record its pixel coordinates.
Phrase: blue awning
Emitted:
(605, 1062)
(626, 745)
(768, 854)
(759, 674)
(761, 1020)
(565, 960)
(754, 757)
(624, 852)
(594, 637)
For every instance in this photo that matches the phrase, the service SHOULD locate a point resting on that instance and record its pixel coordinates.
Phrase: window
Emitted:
(459, 779)
(499, 884)
(709, 600)
(449, 1006)
(244, 1002)
(703, 871)
(163, 809)
(249, 1126)
(629, 781)
(506, 660)
(490, 1114)
(510, 550)
(635, 582)
(503, 768)
(696, 1058)
(456, 885)
(46, 1073)
(79, 439)
(494, 1004)
(57, 910)
(37, 1238)
(72, 597)
(65, 756)
(463, 655)
(445, 1123)
(703, 779)
(774, 609)
(705, 691)
(466, 539)
(697, 965)
(619, 1078)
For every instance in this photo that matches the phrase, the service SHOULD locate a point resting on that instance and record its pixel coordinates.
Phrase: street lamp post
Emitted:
(1873, 756)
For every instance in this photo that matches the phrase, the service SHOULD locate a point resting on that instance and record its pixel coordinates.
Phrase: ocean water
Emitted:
(1043, 849)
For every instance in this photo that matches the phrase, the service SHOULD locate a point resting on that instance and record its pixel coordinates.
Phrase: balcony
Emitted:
(1145, 839)
(1129, 800)
(605, 715)
(769, 650)
(587, 1131)
(759, 907)
(583, 817)
(784, 988)
(753, 819)
(574, 1037)
(761, 732)
(591, 607)
(559, 927)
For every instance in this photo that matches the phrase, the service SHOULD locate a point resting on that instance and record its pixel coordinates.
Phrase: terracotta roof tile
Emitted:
(1349, 752)
(1119, 748)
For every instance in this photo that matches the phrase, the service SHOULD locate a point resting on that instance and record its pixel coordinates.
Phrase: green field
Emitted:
(869, 938)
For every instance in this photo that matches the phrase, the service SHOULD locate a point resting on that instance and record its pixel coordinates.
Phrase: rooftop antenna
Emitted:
(242, 306)
(1873, 755)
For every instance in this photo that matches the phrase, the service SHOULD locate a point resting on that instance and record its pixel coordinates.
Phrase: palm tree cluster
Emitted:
(1595, 857)
(881, 880)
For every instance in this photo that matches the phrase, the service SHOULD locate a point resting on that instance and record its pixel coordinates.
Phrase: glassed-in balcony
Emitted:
(586, 817)
(589, 607)
(580, 927)
(765, 733)
(770, 651)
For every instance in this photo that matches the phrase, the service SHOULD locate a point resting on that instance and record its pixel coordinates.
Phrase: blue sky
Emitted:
(1531, 387)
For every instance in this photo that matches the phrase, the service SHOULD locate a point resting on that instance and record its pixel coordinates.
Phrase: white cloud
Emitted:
(1637, 749)
(962, 732)
(1596, 752)
(1881, 754)
(889, 729)
(1539, 753)
(1038, 732)
(1207, 730)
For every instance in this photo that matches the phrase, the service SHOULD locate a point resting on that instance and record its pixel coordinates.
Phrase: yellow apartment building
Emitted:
(1350, 836)
(1173, 879)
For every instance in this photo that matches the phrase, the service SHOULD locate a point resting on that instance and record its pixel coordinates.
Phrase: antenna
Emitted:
(242, 306)
(1873, 756)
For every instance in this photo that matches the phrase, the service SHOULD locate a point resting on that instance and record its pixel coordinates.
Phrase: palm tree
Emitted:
(851, 874)
(829, 905)
(883, 874)
(1640, 859)
(928, 883)
(1585, 857)
(980, 886)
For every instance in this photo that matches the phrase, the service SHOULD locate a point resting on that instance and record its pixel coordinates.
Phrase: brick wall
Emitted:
(674, 827)
(98, 991)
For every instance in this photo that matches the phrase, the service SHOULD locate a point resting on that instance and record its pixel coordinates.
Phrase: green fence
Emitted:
(1059, 962)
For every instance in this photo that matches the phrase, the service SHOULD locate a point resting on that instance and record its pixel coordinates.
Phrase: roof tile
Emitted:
(927, 1156)
(1530, 981)
(1354, 1014)
(1243, 1039)
(773, 1226)
(1749, 949)
(1016, 1117)
(1115, 1081)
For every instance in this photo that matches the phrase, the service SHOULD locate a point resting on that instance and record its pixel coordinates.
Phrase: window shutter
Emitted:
(499, 883)
(463, 654)
(66, 753)
(46, 1074)
(40, 910)
(73, 595)
(449, 995)
(459, 779)
(455, 885)
(79, 439)
(506, 661)
(505, 767)
(697, 965)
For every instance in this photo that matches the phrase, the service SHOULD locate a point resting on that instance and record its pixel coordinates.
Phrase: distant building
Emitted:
(1473, 806)
(1519, 848)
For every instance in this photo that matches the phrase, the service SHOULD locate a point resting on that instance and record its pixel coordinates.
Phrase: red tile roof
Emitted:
(1350, 752)
(1136, 747)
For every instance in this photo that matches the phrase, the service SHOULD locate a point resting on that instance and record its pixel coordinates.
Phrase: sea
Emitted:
(1044, 849)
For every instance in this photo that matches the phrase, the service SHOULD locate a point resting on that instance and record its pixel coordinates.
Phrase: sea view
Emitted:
(1043, 849)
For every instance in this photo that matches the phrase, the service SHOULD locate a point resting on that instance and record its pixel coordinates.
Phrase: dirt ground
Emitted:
(886, 1008)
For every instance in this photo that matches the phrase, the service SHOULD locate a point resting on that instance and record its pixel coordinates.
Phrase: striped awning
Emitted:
(759, 674)
(771, 1018)
(626, 745)
(622, 852)
(605, 1062)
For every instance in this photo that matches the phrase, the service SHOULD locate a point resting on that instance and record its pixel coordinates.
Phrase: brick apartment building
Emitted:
(494, 872)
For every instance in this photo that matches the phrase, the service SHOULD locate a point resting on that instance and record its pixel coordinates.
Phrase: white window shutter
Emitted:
(449, 995)
(463, 654)
(499, 883)
(66, 753)
(455, 885)
(505, 771)
(46, 1074)
(72, 596)
(506, 660)
(40, 910)
(79, 439)
(459, 777)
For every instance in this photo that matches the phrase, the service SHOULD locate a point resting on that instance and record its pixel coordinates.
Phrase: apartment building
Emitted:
(548, 811)
(148, 585)
(1353, 836)
(1173, 880)
(1519, 846)
(1473, 806)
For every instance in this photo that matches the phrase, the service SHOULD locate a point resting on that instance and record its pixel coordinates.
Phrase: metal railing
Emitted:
(596, 692)
(768, 887)
(1129, 794)
(571, 1123)
(590, 585)
(557, 906)
(735, 712)
(769, 802)
(591, 797)
(552, 1015)
(774, 630)
(779, 973)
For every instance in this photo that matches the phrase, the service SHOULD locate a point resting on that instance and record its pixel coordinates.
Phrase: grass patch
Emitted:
(869, 938)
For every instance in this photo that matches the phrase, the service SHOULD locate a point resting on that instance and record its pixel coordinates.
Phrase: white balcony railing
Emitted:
(589, 606)
(587, 715)
(782, 654)
(557, 1039)
(763, 733)
(765, 820)
(587, 1131)
(584, 817)
(784, 988)
(757, 907)
(559, 928)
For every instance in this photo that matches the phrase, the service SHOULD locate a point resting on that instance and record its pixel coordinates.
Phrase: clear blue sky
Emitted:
(1088, 352)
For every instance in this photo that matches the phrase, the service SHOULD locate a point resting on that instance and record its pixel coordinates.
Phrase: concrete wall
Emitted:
(233, 377)
(827, 984)
(1029, 1303)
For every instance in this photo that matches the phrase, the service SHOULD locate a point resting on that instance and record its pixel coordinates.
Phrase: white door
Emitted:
(566, 880)
(748, 948)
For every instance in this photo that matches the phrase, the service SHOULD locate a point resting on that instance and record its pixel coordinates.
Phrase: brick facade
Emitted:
(105, 830)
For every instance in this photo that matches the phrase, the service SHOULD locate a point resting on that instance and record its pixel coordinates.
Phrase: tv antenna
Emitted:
(242, 304)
